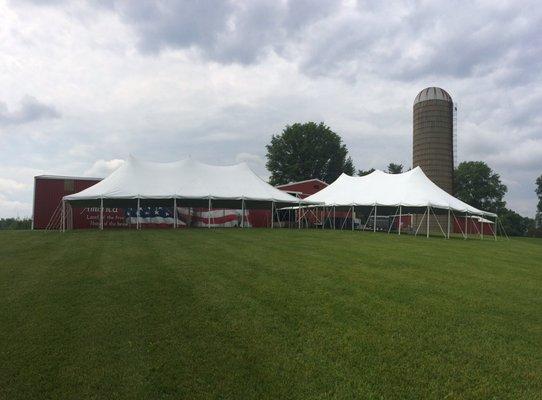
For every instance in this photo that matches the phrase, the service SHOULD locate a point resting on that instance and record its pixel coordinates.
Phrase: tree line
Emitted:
(311, 150)
(15, 223)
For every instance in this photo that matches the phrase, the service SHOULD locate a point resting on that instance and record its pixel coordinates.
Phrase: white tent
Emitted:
(410, 190)
(186, 182)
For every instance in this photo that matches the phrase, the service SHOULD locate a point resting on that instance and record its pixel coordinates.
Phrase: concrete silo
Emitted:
(433, 136)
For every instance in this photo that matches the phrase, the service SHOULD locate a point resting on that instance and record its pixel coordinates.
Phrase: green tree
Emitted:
(476, 184)
(395, 168)
(305, 151)
(15, 223)
(362, 172)
(539, 193)
(514, 224)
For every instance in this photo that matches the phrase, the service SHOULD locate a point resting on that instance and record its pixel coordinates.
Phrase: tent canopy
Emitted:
(186, 179)
(409, 189)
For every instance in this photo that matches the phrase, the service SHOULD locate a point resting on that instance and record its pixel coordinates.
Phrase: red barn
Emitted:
(48, 193)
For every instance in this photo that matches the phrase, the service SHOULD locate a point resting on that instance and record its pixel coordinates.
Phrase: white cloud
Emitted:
(10, 186)
(102, 168)
(14, 208)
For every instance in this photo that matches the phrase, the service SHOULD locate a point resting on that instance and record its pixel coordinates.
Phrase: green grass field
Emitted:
(256, 314)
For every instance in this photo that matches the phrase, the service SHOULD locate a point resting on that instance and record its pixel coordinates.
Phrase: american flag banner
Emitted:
(187, 216)
(202, 217)
(151, 216)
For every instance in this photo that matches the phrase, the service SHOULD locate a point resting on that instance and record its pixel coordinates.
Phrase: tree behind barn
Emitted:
(306, 151)
(476, 184)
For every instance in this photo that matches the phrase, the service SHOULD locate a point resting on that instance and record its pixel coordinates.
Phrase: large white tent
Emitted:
(186, 182)
(408, 190)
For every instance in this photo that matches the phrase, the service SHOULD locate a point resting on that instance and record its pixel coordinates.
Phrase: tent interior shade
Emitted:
(189, 181)
(411, 189)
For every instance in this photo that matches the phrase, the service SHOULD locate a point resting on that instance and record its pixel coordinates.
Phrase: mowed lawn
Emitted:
(261, 314)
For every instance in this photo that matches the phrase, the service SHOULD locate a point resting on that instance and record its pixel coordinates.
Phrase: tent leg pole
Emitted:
(272, 214)
(334, 217)
(174, 213)
(482, 228)
(209, 214)
(400, 218)
(242, 213)
(138, 222)
(495, 228)
(299, 215)
(102, 214)
(393, 220)
(420, 224)
(466, 226)
(427, 233)
(448, 224)
(352, 218)
(63, 222)
(374, 219)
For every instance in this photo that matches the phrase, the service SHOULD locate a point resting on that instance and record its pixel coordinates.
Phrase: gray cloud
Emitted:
(30, 110)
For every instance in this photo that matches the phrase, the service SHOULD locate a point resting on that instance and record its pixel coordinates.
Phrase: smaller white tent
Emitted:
(409, 189)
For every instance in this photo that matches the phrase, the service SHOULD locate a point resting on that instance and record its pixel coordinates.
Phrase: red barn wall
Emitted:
(48, 192)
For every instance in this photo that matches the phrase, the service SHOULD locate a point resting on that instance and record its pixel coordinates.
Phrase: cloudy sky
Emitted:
(85, 83)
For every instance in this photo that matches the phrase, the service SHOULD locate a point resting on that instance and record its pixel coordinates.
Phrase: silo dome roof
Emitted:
(432, 93)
